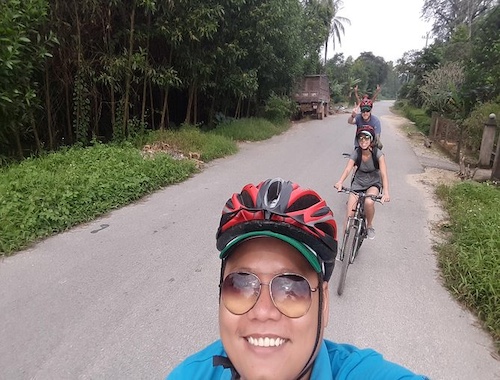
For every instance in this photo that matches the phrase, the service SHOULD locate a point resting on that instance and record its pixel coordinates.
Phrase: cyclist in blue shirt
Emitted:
(278, 242)
(365, 117)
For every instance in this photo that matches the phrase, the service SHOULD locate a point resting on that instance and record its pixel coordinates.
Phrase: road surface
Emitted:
(133, 293)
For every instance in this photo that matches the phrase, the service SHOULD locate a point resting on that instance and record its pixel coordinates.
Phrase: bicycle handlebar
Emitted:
(375, 198)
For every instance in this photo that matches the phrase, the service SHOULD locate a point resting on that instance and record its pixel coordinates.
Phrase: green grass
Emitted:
(417, 115)
(470, 260)
(252, 129)
(51, 193)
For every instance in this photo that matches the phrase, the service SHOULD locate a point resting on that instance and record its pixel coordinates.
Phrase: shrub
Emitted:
(474, 124)
(279, 108)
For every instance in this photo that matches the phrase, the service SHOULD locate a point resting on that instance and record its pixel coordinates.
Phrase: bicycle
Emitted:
(354, 235)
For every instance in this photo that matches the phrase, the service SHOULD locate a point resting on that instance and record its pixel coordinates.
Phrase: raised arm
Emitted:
(377, 91)
(358, 100)
(352, 117)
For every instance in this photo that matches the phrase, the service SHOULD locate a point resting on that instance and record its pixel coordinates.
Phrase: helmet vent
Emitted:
(273, 194)
(303, 203)
(246, 199)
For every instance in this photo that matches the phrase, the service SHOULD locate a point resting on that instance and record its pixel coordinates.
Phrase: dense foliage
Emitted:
(73, 71)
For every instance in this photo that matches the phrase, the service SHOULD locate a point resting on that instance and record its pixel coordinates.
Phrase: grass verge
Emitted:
(51, 193)
(470, 260)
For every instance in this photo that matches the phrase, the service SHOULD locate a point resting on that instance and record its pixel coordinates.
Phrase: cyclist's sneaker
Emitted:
(370, 233)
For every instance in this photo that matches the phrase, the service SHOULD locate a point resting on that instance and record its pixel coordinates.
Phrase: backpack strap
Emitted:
(358, 158)
(374, 158)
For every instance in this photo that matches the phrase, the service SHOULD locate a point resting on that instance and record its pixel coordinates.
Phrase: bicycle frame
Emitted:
(354, 234)
(357, 221)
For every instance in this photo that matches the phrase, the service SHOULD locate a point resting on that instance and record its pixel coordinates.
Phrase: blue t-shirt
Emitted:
(334, 361)
(373, 122)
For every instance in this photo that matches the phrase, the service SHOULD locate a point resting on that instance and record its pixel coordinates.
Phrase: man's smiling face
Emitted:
(263, 343)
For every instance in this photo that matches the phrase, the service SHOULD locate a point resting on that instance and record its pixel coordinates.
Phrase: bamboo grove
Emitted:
(76, 70)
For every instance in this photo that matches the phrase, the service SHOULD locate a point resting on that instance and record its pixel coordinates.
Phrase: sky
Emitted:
(387, 28)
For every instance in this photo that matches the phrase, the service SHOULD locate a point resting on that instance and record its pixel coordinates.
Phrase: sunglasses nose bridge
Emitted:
(265, 306)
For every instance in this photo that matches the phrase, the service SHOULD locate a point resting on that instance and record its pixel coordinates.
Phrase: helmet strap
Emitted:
(312, 358)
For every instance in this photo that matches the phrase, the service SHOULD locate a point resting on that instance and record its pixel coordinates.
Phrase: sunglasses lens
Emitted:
(291, 294)
(240, 292)
(367, 109)
(364, 137)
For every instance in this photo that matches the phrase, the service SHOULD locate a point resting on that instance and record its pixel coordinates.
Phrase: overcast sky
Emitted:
(387, 28)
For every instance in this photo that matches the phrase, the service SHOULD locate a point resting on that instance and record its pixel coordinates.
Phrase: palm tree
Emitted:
(334, 23)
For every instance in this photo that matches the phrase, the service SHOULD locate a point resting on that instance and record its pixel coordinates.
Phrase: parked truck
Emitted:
(313, 96)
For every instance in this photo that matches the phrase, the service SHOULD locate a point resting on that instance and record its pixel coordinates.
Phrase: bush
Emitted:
(474, 124)
(419, 116)
(279, 108)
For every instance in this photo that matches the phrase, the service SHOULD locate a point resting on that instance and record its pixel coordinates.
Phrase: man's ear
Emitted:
(326, 304)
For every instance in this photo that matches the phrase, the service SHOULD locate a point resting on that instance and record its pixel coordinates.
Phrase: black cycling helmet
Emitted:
(284, 210)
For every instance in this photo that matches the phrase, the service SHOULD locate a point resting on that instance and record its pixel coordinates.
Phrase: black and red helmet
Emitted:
(285, 210)
(367, 130)
(366, 102)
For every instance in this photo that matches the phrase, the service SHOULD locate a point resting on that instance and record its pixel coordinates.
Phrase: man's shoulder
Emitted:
(375, 117)
(350, 362)
(200, 365)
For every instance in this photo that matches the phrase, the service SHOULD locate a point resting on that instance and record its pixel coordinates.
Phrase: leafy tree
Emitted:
(21, 51)
(376, 70)
(483, 69)
(412, 68)
(449, 14)
(441, 87)
(312, 35)
(334, 22)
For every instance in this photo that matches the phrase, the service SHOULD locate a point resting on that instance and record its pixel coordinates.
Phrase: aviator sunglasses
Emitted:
(290, 293)
(364, 137)
(366, 109)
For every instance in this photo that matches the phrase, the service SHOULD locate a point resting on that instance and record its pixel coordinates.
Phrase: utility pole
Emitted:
(426, 37)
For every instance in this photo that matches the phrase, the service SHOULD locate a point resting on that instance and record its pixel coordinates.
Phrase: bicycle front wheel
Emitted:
(348, 247)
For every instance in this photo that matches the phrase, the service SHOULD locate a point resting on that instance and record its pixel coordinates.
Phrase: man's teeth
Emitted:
(265, 342)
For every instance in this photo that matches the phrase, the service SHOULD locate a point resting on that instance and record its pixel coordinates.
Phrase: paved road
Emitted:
(131, 294)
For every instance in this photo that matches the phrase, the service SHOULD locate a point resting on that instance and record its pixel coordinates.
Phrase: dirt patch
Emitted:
(439, 169)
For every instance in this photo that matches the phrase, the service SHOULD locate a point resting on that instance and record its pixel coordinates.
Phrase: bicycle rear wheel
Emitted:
(348, 247)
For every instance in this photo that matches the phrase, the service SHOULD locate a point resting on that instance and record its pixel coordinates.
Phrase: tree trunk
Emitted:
(128, 75)
(195, 107)
(326, 47)
(146, 76)
(152, 106)
(237, 112)
(18, 143)
(97, 111)
(190, 104)
(459, 142)
(113, 109)
(68, 114)
(48, 109)
(35, 134)
(164, 111)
